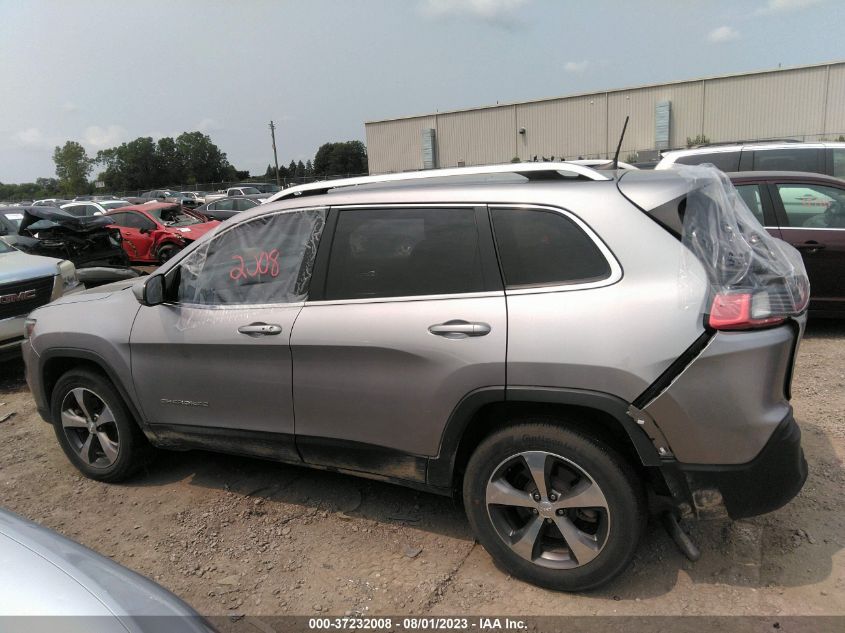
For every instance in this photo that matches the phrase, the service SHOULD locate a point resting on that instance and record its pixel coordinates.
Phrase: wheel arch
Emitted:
(486, 410)
(56, 362)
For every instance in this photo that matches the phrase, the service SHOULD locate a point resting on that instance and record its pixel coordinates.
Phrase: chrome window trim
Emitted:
(616, 272)
(811, 228)
(411, 298)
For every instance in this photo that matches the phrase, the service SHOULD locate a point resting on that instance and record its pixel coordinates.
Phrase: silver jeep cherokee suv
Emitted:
(563, 349)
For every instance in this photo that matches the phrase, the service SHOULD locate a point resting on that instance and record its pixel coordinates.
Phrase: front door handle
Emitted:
(260, 329)
(459, 329)
(810, 246)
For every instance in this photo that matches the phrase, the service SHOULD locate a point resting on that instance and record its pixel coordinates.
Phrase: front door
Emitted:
(215, 359)
(136, 233)
(812, 218)
(410, 319)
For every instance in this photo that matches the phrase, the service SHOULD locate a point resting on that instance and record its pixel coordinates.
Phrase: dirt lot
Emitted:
(235, 535)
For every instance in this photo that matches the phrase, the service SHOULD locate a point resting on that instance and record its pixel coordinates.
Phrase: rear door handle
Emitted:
(459, 329)
(260, 329)
(810, 246)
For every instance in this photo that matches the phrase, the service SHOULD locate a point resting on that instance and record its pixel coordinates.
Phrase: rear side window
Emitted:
(244, 204)
(750, 194)
(726, 161)
(539, 247)
(839, 163)
(791, 159)
(404, 252)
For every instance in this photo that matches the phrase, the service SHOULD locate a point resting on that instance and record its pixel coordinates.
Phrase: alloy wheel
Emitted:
(90, 427)
(548, 510)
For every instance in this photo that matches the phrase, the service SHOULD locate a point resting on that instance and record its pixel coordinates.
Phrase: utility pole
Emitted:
(275, 157)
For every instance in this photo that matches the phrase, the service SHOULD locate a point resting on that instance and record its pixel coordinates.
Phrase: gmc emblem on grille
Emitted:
(24, 295)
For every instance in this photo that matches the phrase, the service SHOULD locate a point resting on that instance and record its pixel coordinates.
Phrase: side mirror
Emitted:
(151, 292)
(143, 230)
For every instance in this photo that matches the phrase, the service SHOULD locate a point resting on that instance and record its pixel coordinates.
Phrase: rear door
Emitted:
(406, 316)
(812, 219)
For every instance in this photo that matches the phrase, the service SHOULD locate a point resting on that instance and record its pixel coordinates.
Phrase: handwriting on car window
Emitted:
(266, 263)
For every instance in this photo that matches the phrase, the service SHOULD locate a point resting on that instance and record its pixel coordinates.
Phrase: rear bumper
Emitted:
(764, 484)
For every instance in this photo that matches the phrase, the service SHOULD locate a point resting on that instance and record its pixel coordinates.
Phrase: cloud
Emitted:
(30, 137)
(782, 6)
(69, 106)
(723, 34)
(102, 137)
(576, 67)
(498, 12)
(208, 125)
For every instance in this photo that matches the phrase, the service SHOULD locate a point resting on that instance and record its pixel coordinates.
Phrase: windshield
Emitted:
(249, 190)
(170, 216)
(4, 247)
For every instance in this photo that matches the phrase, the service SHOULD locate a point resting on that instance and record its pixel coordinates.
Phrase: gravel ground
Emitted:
(233, 535)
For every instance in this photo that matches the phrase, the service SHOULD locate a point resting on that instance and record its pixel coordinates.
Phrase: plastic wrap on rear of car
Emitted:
(755, 279)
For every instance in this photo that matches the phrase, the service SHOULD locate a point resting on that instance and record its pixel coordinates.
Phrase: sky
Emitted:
(105, 72)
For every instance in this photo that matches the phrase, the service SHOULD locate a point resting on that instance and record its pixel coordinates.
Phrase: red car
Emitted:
(153, 233)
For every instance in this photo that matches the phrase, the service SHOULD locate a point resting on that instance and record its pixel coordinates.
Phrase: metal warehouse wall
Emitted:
(807, 103)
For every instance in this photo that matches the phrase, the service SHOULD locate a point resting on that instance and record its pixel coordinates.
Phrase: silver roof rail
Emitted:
(532, 171)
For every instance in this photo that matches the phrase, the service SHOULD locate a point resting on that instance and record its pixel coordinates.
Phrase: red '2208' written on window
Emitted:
(266, 263)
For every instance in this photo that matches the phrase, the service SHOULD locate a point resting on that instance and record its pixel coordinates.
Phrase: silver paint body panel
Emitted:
(370, 371)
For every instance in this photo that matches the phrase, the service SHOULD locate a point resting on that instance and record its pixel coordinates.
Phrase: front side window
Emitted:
(538, 247)
(404, 252)
(266, 260)
(813, 206)
(750, 194)
(132, 221)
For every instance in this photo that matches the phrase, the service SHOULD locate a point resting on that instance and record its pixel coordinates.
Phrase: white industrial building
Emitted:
(805, 103)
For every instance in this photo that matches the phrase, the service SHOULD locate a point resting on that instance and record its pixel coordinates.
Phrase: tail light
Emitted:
(745, 310)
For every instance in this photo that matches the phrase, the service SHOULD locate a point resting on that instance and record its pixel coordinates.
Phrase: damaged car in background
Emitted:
(89, 243)
(154, 232)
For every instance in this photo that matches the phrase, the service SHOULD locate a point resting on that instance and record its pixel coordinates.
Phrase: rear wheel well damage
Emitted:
(591, 422)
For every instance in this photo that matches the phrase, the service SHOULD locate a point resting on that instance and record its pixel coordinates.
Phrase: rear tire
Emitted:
(554, 507)
(95, 429)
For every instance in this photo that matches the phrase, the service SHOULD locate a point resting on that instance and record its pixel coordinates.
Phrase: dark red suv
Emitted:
(808, 211)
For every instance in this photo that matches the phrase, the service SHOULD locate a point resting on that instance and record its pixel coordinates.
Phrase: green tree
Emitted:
(292, 170)
(202, 160)
(698, 139)
(169, 162)
(72, 167)
(143, 164)
(334, 159)
(309, 169)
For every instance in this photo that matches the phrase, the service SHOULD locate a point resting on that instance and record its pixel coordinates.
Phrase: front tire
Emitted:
(166, 252)
(554, 507)
(95, 429)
